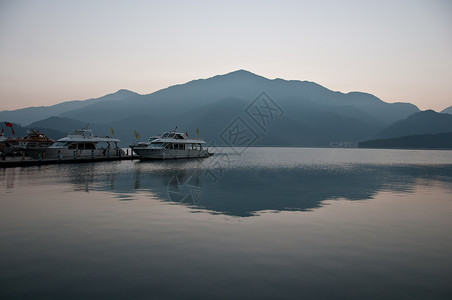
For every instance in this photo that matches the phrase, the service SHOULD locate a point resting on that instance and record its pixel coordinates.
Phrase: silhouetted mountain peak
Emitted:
(358, 96)
(241, 73)
(424, 115)
(118, 95)
(238, 75)
(124, 92)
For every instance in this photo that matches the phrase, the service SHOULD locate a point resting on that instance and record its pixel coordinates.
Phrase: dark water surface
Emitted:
(272, 223)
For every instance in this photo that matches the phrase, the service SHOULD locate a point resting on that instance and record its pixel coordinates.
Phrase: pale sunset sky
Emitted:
(55, 51)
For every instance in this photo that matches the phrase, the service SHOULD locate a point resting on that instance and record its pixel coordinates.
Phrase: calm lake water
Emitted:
(271, 223)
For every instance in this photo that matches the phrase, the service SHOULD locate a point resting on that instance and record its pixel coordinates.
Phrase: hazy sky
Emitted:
(54, 51)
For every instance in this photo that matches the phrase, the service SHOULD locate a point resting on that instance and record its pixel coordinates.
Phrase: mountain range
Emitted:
(308, 114)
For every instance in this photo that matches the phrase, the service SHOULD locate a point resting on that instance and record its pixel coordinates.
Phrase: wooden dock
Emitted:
(17, 161)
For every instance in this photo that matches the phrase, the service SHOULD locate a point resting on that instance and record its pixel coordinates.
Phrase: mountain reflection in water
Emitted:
(246, 189)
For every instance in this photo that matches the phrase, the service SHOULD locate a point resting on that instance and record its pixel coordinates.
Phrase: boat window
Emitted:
(165, 134)
(156, 145)
(73, 146)
(90, 146)
(60, 144)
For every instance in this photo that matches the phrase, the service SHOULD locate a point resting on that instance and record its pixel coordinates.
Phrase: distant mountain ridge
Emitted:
(424, 122)
(29, 115)
(312, 114)
(447, 110)
(61, 124)
(420, 141)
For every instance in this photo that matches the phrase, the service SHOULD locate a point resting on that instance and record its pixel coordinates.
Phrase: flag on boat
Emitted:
(8, 124)
(186, 133)
(197, 131)
(112, 131)
(137, 135)
(3, 130)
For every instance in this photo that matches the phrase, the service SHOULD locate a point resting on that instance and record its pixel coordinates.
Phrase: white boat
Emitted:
(80, 143)
(170, 145)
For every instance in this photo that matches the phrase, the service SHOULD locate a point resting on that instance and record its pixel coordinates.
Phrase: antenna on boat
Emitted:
(175, 129)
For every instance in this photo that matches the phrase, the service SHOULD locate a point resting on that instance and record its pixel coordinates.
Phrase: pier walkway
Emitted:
(18, 161)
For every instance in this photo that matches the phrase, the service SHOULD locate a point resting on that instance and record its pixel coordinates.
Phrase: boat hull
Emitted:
(146, 154)
(62, 153)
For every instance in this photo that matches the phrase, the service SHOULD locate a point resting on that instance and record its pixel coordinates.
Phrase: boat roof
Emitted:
(86, 135)
(36, 136)
(176, 137)
(178, 141)
(92, 140)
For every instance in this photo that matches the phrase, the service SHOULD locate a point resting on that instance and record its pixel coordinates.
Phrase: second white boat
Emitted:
(171, 145)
